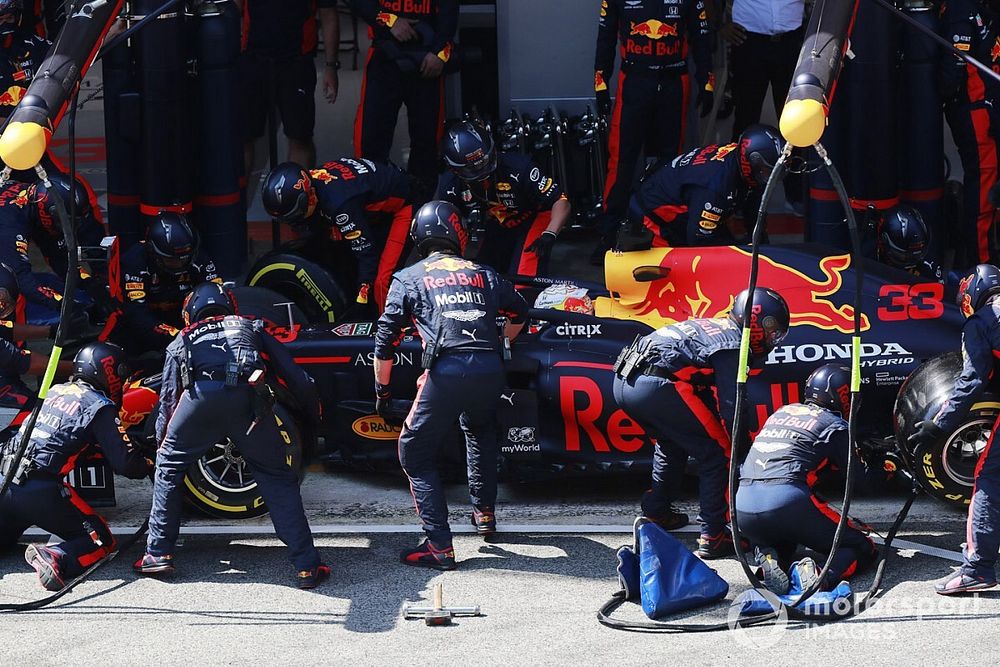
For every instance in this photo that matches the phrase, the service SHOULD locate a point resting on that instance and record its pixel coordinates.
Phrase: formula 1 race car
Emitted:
(557, 415)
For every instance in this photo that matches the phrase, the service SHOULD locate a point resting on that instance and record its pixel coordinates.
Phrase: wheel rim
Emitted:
(961, 452)
(225, 469)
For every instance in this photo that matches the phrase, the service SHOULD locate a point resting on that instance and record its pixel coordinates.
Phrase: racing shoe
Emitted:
(962, 582)
(46, 564)
(719, 545)
(428, 555)
(669, 520)
(150, 564)
(770, 572)
(805, 573)
(307, 579)
(484, 518)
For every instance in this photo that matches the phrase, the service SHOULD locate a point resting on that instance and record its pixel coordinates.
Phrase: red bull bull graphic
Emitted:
(649, 38)
(11, 96)
(321, 175)
(703, 282)
(653, 29)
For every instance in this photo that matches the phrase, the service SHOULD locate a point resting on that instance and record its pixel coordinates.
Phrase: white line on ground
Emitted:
(527, 528)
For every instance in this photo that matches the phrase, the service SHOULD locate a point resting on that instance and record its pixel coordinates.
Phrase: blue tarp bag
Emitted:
(837, 602)
(660, 572)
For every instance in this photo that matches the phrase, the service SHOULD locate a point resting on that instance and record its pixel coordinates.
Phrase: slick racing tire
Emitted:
(946, 468)
(221, 485)
(274, 308)
(302, 281)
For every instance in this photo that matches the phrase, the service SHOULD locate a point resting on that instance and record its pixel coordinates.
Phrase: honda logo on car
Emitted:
(375, 428)
(459, 298)
(579, 330)
(889, 354)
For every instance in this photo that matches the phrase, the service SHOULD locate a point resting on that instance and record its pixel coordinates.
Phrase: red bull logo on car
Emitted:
(11, 96)
(703, 282)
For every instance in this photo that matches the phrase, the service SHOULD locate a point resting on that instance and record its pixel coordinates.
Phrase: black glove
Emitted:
(383, 405)
(706, 98)
(927, 433)
(603, 102)
(543, 244)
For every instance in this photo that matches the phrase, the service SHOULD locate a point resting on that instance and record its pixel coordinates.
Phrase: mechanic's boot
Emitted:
(671, 519)
(307, 579)
(484, 518)
(719, 545)
(428, 555)
(150, 564)
(805, 573)
(46, 564)
(769, 572)
(961, 582)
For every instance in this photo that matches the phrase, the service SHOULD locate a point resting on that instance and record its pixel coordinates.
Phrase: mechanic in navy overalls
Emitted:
(367, 204)
(777, 507)
(679, 384)
(688, 201)
(73, 417)
(454, 304)
(215, 387)
(978, 299)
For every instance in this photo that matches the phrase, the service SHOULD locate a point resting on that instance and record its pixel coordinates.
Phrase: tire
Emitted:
(267, 305)
(222, 486)
(311, 287)
(945, 469)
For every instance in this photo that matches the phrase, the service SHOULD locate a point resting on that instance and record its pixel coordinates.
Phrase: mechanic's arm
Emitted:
(124, 458)
(700, 34)
(389, 333)
(512, 306)
(958, 25)
(137, 317)
(385, 25)
(352, 223)
(706, 224)
(170, 389)
(445, 26)
(977, 363)
(329, 21)
(604, 59)
(15, 255)
(726, 365)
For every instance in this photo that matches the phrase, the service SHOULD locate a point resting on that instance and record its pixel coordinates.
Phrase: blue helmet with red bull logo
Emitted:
(769, 318)
(437, 226)
(287, 193)
(975, 289)
(44, 206)
(104, 367)
(171, 243)
(829, 386)
(760, 147)
(470, 152)
(904, 238)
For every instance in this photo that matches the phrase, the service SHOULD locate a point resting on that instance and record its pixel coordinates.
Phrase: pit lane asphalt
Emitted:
(231, 603)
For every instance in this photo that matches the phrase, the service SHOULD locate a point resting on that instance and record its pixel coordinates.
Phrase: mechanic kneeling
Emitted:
(214, 388)
(74, 416)
(979, 300)
(677, 382)
(455, 305)
(777, 507)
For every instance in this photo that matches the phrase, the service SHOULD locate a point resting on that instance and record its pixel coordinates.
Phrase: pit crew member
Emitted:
(455, 304)
(679, 384)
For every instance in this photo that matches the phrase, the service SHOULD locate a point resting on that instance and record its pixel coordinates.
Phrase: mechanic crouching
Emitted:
(455, 305)
(979, 300)
(777, 507)
(215, 386)
(679, 384)
(74, 416)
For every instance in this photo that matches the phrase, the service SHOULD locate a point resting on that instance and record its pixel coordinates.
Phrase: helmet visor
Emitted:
(7, 303)
(479, 169)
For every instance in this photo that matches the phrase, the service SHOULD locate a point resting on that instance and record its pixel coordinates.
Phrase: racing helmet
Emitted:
(171, 243)
(102, 366)
(977, 287)
(769, 318)
(44, 207)
(829, 386)
(904, 238)
(437, 224)
(208, 300)
(8, 291)
(760, 147)
(287, 192)
(10, 14)
(470, 152)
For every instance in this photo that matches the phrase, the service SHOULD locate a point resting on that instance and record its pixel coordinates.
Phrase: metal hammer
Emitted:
(438, 614)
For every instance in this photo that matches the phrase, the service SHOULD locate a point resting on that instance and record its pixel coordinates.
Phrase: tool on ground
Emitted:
(438, 614)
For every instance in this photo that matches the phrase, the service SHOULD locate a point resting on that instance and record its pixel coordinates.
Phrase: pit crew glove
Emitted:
(542, 246)
(383, 405)
(927, 433)
(706, 98)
